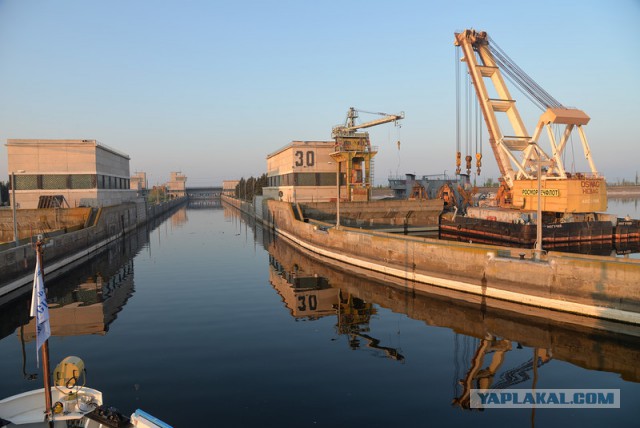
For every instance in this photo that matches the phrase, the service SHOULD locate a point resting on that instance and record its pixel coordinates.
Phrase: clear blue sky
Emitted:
(209, 88)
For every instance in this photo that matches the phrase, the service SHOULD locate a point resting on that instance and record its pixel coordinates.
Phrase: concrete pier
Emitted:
(604, 288)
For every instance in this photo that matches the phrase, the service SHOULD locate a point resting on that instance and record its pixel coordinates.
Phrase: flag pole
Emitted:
(45, 352)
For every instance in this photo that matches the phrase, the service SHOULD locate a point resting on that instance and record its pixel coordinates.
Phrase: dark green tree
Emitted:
(246, 189)
(4, 192)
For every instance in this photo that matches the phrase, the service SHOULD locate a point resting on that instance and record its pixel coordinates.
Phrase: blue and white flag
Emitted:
(39, 309)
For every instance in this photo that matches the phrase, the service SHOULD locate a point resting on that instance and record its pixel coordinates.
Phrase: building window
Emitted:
(26, 182)
(54, 181)
(306, 179)
(326, 179)
(69, 181)
(83, 181)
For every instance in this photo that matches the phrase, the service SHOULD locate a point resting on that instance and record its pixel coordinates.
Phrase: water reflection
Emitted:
(306, 295)
(204, 203)
(179, 218)
(90, 294)
(624, 206)
(488, 358)
(91, 306)
(89, 297)
(493, 348)
(364, 351)
(309, 296)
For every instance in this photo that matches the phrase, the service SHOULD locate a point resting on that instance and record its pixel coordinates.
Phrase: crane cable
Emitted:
(517, 76)
(456, 52)
(469, 121)
(473, 123)
(398, 144)
(478, 128)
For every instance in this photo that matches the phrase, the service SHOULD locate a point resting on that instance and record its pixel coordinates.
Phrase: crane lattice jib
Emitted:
(350, 126)
(481, 64)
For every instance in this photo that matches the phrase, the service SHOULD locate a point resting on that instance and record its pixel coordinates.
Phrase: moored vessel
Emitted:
(536, 186)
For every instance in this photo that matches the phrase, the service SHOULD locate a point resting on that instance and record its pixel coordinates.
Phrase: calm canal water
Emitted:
(205, 320)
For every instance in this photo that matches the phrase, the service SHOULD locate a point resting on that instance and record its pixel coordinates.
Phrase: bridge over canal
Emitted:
(204, 196)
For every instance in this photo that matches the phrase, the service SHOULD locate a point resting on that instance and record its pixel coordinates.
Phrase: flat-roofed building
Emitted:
(302, 171)
(83, 172)
(139, 181)
(177, 185)
(229, 187)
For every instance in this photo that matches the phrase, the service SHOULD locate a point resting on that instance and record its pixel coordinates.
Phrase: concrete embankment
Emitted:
(604, 288)
(625, 191)
(87, 230)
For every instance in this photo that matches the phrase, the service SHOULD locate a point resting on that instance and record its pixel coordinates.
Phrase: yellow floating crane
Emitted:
(523, 164)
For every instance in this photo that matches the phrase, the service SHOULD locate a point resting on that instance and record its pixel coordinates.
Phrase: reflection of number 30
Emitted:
(313, 303)
(301, 157)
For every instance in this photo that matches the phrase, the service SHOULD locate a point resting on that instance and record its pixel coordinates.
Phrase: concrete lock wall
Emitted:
(61, 248)
(408, 253)
(588, 280)
(602, 283)
(112, 221)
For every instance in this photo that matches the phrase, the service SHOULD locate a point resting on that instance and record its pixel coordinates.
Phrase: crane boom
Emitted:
(481, 66)
(350, 126)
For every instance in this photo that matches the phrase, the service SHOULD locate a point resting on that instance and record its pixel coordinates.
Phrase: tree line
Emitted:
(246, 189)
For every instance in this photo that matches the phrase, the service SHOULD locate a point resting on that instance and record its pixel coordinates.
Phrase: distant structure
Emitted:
(177, 185)
(49, 173)
(139, 181)
(229, 187)
(303, 171)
